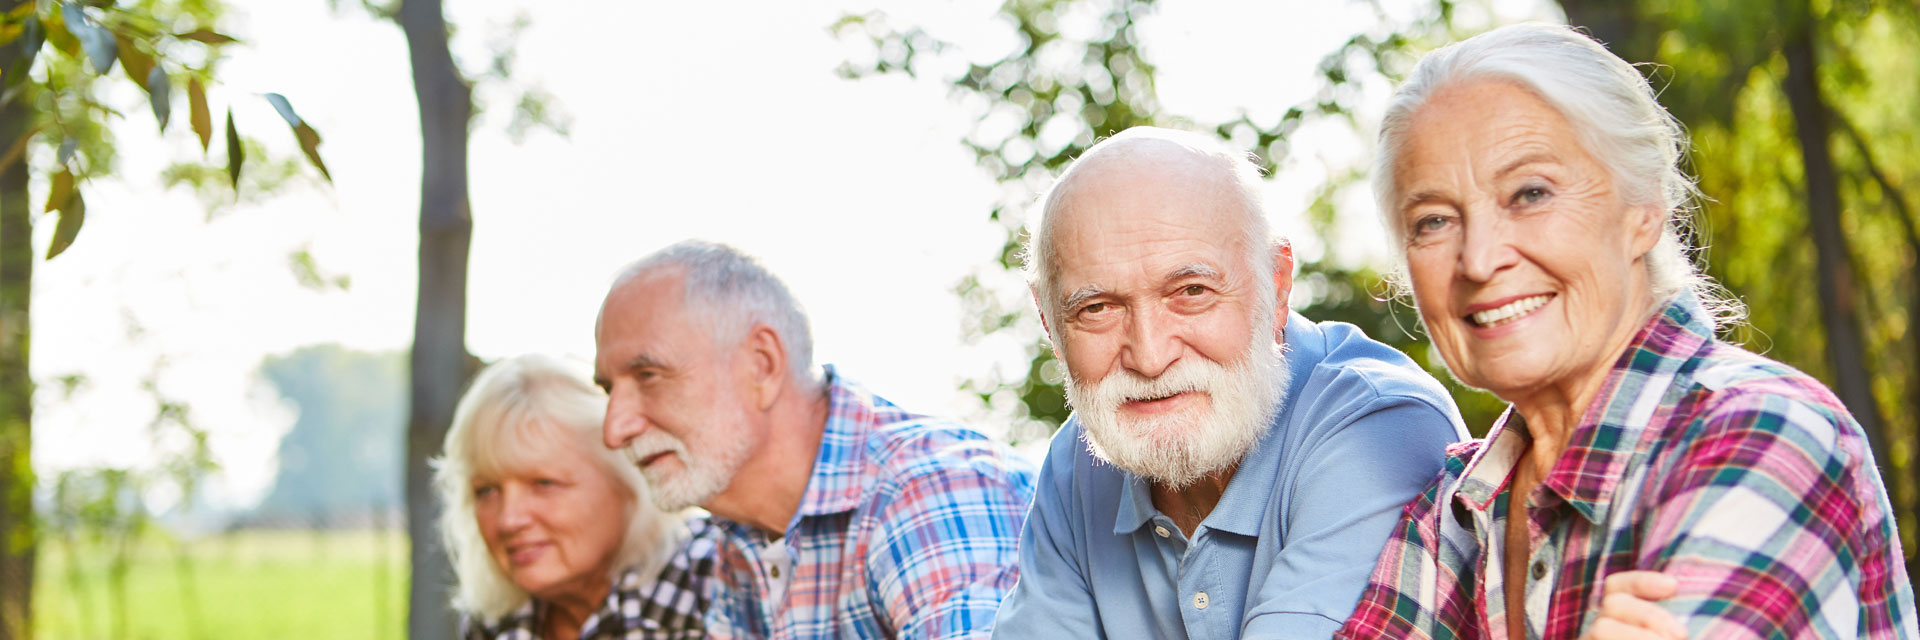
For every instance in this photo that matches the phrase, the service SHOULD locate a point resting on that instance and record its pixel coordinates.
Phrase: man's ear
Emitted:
(766, 371)
(1282, 282)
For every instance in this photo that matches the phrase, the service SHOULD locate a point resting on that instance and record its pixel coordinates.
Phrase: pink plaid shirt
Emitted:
(1744, 479)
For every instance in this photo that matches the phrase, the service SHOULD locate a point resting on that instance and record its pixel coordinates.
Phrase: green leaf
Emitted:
(310, 145)
(235, 155)
(61, 190)
(199, 116)
(309, 139)
(72, 215)
(207, 36)
(285, 108)
(160, 91)
(67, 147)
(136, 63)
(97, 40)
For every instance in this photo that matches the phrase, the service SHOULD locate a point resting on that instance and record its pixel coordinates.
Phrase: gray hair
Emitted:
(1614, 113)
(512, 402)
(731, 292)
(1237, 166)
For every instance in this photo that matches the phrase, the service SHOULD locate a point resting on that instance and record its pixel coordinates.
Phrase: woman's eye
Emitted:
(484, 490)
(1429, 224)
(1529, 195)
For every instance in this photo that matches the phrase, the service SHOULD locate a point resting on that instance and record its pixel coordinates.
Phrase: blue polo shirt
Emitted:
(1290, 545)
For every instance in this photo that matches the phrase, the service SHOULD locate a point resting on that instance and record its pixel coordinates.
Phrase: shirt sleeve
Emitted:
(1345, 500)
(1762, 522)
(1051, 600)
(945, 551)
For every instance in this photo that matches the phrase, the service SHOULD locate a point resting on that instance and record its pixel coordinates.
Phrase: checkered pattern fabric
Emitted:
(1742, 478)
(909, 528)
(668, 607)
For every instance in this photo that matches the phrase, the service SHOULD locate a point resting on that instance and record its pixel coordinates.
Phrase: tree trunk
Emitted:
(439, 359)
(1615, 23)
(1845, 349)
(16, 383)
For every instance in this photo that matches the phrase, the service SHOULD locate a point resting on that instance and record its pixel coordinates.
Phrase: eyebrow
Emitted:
(1080, 295)
(1194, 270)
(1531, 158)
(641, 361)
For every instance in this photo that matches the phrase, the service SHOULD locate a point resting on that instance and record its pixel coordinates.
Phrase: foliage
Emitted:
(62, 51)
(1063, 88)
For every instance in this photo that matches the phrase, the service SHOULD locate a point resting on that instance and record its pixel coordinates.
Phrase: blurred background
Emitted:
(251, 250)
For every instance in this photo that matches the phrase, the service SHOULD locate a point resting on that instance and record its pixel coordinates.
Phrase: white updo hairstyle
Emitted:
(1614, 114)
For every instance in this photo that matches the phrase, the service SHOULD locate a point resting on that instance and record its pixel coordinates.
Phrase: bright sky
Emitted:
(690, 119)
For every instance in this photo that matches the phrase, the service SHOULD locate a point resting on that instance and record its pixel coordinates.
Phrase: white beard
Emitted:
(702, 475)
(1176, 449)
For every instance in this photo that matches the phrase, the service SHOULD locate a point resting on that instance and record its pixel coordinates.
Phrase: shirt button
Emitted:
(775, 571)
(1161, 531)
(1539, 569)
(1200, 600)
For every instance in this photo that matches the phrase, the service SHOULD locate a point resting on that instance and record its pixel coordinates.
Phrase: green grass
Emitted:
(252, 584)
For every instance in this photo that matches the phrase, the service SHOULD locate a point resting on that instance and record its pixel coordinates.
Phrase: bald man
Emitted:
(1231, 468)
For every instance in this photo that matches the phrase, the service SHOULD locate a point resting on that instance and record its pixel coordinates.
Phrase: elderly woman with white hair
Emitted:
(1648, 479)
(551, 534)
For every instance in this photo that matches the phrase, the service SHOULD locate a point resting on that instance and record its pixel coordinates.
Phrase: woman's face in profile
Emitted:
(1525, 261)
(553, 526)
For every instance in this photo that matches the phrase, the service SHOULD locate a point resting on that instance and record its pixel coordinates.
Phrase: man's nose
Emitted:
(1152, 343)
(624, 421)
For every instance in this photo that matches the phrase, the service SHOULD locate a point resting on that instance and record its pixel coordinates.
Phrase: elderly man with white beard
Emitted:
(1231, 468)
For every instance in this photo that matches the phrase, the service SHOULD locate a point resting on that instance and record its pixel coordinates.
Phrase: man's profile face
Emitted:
(672, 405)
(1158, 307)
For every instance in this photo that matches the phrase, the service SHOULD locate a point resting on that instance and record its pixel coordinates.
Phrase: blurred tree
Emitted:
(342, 457)
(52, 54)
(1063, 92)
(1804, 82)
(439, 364)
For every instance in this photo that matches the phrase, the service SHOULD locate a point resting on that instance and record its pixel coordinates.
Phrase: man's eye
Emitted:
(1096, 307)
(1194, 290)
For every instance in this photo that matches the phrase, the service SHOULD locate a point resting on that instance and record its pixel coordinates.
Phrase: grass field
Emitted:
(250, 584)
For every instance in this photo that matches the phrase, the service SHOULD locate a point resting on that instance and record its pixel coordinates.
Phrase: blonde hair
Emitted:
(510, 403)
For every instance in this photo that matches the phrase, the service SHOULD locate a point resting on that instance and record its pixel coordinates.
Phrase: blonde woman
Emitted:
(551, 534)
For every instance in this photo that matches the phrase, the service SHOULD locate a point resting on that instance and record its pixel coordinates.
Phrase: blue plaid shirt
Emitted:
(909, 528)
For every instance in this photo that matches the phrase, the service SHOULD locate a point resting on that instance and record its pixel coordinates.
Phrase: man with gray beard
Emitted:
(1232, 468)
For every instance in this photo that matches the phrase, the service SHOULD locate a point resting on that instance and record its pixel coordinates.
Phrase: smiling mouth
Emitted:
(1153, 399)
(649, 460)
(1508, 312)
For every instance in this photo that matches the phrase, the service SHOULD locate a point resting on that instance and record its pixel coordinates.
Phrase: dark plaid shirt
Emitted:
(1742, 478)
(667, 607)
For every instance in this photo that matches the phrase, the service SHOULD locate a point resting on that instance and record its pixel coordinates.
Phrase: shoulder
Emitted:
(1358, 374)
(1735, 395)
(917, 461)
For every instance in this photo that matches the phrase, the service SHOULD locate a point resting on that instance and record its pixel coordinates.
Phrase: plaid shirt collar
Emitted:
(1598, 450)
(839, 476)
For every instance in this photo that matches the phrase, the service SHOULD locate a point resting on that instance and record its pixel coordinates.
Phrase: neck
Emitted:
(1552, 412)
(1188, 506)
(768, 489)
(567, 612)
